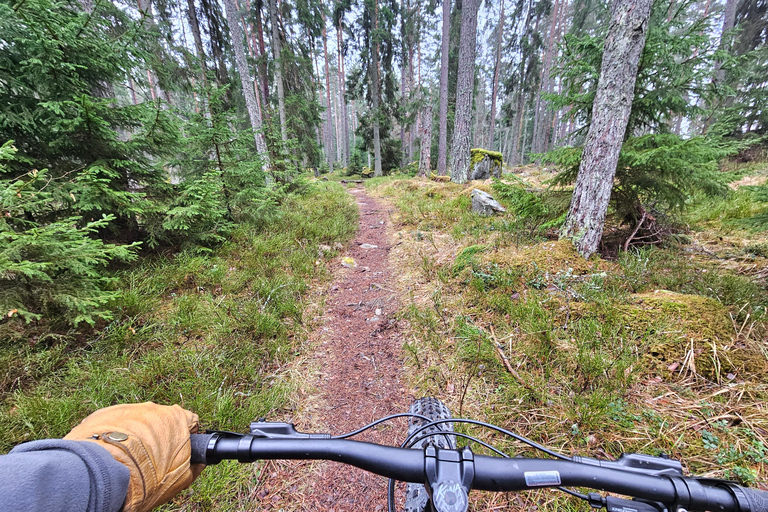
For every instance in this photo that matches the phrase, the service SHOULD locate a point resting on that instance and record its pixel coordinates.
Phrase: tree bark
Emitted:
(375, 92)
(262, 65)
(247, 83)
(342, 97)
(518, 127)
(610, 114)
(411, 87)
(495, 92)
(540, 121)
(442, 125)
(277, 54)
(464, 88)
(329, 150)
(425, 134)
(403, 87)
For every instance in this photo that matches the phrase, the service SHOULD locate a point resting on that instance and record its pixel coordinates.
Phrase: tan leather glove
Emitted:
(152, 441)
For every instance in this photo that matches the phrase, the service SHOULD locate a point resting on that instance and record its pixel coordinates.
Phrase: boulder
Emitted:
(484, 163)
(484, 204)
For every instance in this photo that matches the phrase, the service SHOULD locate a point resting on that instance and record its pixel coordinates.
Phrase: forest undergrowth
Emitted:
(660, 350)
(211, 332)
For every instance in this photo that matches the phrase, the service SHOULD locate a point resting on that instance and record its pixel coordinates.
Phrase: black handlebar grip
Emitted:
(199, 448)
(758, 500)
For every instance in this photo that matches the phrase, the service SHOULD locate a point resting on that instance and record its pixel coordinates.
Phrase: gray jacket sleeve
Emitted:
(56, 475)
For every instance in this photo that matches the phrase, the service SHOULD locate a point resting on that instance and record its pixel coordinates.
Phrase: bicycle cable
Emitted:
(382, 420)
(497, 429)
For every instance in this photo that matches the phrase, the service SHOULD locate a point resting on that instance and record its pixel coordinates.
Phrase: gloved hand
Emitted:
(152, 441)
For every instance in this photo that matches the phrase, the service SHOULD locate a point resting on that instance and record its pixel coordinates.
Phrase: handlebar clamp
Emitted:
(449, 477)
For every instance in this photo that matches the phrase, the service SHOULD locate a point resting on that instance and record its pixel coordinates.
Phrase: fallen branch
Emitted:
(506, 362)
(637, 228)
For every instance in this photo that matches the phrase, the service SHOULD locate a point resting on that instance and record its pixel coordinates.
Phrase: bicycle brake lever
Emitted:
(281, 430)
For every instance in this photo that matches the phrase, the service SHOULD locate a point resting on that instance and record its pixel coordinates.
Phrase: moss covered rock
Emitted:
(484, 163)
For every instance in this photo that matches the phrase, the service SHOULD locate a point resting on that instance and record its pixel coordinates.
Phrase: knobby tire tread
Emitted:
(416, 497)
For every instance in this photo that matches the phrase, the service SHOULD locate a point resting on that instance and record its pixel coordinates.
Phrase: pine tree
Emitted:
(613, 102)
(464, 89)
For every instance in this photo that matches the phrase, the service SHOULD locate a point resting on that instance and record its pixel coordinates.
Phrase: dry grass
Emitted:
(588, 366)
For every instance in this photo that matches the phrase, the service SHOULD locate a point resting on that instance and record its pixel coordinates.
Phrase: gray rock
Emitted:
(484, 204)
(482, 170)
(484, 164)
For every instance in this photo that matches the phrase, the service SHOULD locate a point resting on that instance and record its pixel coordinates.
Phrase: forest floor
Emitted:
(352, 376)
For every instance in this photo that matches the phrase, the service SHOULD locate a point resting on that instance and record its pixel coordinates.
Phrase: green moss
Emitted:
(552, 257)
(477, 154)
(465, 257)
(700, 336)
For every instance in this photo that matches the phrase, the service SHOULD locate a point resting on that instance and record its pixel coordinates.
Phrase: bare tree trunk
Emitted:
(495, 92)
(328, 130)
(442, 125)
(523, 133)
(464, 83)
(610, 114)
(375, 93)
(250, 43)
(425, 162)
(479, 139)
(403, 90)
(148, 21)
(518, 127)
(247, 83)
(262, 66)
(342, 89)
(216, 39)
(541, 119)
(354, 125)
(412, 87)
(277, 54)
(337, 126)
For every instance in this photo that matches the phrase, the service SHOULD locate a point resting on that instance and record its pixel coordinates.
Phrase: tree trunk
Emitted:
(277, 54)
(479, 139)
(403, 89)
(411, 87)
(329, 125)
(495, 92)
(250, 43)
(464, 87)
(216, 39)
(610, 114)
(729, 21)
(342, 89)
(247, 83)
(262, 66)
(375, 92)
(442, 125)
(148, 24)
(541, 119)
(425, 134)
(337, 126)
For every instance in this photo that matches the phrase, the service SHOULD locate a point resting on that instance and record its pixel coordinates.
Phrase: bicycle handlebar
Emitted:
(490, 473)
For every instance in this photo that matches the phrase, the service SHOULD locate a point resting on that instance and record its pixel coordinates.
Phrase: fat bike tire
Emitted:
(416, 497)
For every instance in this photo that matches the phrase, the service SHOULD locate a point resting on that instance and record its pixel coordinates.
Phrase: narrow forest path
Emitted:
(352, 377)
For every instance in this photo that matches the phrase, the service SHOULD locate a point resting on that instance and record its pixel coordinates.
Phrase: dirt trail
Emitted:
(357, 365)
